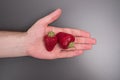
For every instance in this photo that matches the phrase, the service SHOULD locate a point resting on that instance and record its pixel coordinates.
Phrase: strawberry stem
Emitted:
(51, 34)
(71, 44)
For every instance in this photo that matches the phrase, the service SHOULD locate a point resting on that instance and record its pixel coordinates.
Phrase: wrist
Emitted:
(18, 44)
(23, 44)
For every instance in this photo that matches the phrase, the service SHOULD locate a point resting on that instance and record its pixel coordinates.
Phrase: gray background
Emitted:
(100, 17)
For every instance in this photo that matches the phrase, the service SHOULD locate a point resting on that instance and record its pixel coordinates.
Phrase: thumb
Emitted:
(51, 17)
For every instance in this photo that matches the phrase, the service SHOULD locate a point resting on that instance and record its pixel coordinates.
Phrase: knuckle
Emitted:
(83, 40)
(52, 18)
(77, 39)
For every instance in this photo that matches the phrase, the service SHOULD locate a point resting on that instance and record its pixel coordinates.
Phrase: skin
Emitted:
(30, 43)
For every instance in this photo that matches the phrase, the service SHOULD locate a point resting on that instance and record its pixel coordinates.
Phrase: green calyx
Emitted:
(71, 45)
(51, 34)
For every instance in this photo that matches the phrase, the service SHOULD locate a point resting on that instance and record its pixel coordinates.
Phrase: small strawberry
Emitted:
(50, 40)
(65, 40)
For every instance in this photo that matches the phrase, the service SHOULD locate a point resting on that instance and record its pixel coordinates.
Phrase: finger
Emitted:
(79, 47)
(51, 17)
(69, 49)
(83, 46)
(74, 32)
(85, 40)
(67, 54)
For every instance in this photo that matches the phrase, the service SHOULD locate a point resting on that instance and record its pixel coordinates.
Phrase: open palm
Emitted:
(35, 44)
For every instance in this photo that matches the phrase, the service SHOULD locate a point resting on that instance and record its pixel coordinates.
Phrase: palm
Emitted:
(35, 43)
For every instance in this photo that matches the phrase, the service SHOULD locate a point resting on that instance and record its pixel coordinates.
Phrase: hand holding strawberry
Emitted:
(65, 40)
(35, 46)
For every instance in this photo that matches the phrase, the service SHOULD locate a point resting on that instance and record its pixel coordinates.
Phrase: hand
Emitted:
(35, 44)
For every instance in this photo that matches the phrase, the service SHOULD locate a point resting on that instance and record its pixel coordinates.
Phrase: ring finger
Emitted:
(84, 40)
(79, 47)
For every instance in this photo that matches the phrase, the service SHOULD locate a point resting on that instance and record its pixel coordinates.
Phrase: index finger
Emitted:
(75, 32)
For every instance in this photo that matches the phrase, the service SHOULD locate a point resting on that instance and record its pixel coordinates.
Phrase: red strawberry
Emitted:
(65, 40)
(50, 41)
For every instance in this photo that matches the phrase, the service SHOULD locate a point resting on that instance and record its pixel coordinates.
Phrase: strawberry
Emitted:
(50, 40)
(65, 40)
